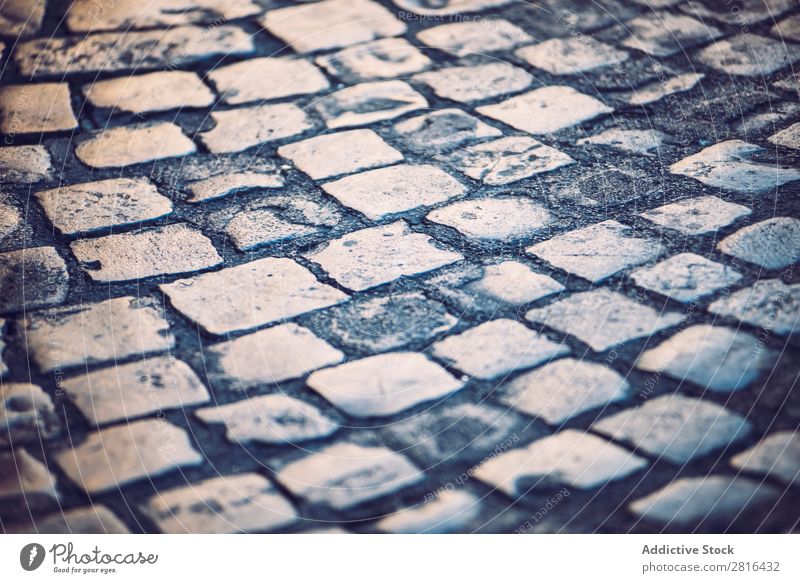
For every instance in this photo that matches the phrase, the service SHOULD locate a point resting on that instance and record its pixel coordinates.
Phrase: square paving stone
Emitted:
(443, 130)
(503, 219)
(497, 348)
(114, 457)
(95, 519)
(36, 109)
(697, 215)
(689, 501)
(21, 18)
(93, 206)
(27, 415)
(138, 255)
(506, 160)
(273, 419)
(769, 304)
(475, 83)
(159, 91)
(770, 244)
(383, 385)
(238, 129)
(32, 278)
(546, 110)
(135, 389)
(227, 504)
(777, 455)
(513, 283)
(567, 56)
(676, 428)
(124, 146)
(598, 251)
(643, 142)
(374, 256)
(658, 90)
(449, 512)
(209, 177)
(250, 295)
(25, 164)
(387, 191)
(368, 103)
(379, 59)
(563, 389)
(663, 35)
(729, 166)
(720, 359)
(273, 355)
(96, 332)
(243, 82)
(470, 38)
(345, 475)
(603, 319)
(749, 55)
(330, 155)
(26, 486)
(331, 24)
(570, 457)
(686, 277)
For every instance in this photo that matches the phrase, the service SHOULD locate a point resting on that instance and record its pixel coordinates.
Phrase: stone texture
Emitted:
(564, 389)
(449, 512)
(546, 110)
(697, 215)
(568, 56)
(133, 51)
(114, 457)
(447, 7)
(603, 319)
(770, 244)
(130, 256)
(331, 24)
(32, 278)
(243, 82)
(109, 330)
(686, 277)
(368, 103)
(208, 179)
(675, 427)
(94, 519)
(36, 109)
(88, 15)
(476, 83)
(663, 34)
(239, 129)
(788, 28)
(500, 219)
(273, 355)
(374, 256)
(788, 138)
(749, 55)
(27, 414)
(25, 164)
(720, 359)
(385, 58)
(95, 206)
(443, 130)
(569, 457)
(598, 251)
(729, 165)
(497, 348)
(227, 504)
(272, 419)
(330, 155)
(507, 160)
(689, 501)
(159, 91)
(344, 475)
(136, 389)
(746, 12)
(777, 455)
(383, 385)
(21, 18)
(250, 295)
(653, 92)
(768, 304)
(644, 142)
(513, 283)
(26, 485)
(125, 146)
(396, 189)
(470, 38)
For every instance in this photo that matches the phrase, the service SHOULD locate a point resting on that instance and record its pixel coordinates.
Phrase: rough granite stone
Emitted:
(768, 304)
(568, 56)
(128, 145)
(513, 283)
(474, 38)
(770, 244)
(697, 215)
(663, 34)
(476, 83)
(238, 129)
(159, 91)
(21, 18)
(25, 164)
(749, 55)
(36, 109)
(385, 58)
(32, 278)
(494, 219)
(686, 277)
(368, 103)
(777, 455)
(443, 130)
(243, 82)
(644, 142)
(27, 415)
(658, 90)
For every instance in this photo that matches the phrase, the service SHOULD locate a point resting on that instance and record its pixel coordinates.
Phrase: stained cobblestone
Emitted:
(241, 82)
(125, 146)
(27, 414)
(159, 91)
(36, 109)
(32, 278)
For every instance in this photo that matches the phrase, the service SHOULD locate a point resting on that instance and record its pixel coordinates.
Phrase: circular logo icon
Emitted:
(31, 556)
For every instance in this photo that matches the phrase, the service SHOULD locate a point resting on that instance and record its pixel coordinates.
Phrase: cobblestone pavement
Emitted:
(400, 266)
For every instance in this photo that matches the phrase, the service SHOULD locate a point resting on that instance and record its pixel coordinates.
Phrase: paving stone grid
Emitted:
(399, 266)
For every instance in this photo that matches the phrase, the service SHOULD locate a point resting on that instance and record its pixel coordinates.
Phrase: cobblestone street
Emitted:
(399, 266)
